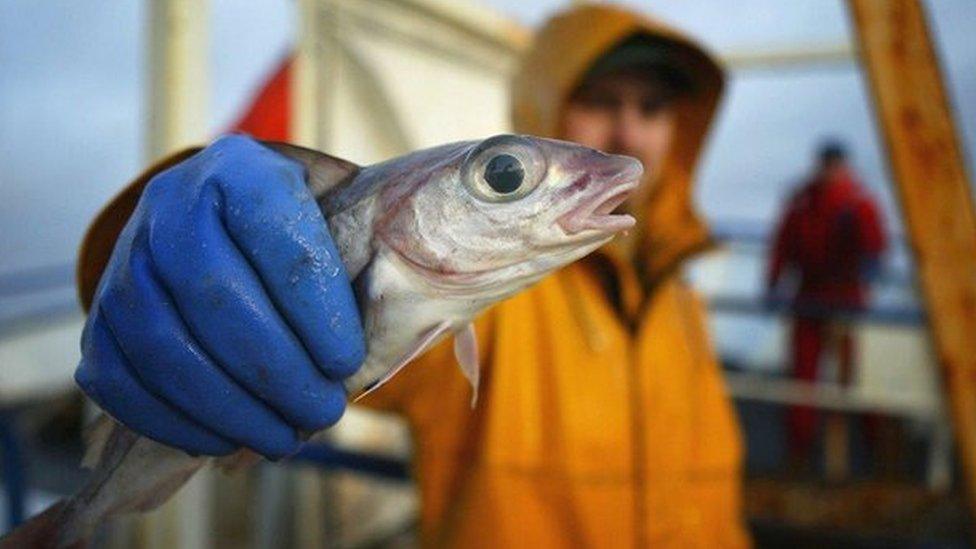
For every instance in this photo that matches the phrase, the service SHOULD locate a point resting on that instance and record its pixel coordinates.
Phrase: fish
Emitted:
(430, 240)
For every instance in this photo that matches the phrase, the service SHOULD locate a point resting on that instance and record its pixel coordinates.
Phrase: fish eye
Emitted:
(504, 168)
(504, 174)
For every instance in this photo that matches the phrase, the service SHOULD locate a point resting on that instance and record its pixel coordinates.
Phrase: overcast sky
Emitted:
(72, 77)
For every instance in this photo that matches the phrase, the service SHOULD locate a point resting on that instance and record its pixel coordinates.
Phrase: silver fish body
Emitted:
(431, 239)
(445, 246)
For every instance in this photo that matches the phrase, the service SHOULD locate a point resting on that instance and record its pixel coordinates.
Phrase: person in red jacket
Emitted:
(826, 248)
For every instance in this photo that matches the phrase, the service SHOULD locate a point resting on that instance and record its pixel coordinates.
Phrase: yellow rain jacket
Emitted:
(602, 419)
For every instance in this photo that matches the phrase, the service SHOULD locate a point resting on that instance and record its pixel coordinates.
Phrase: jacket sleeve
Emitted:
(715, 466)
(872, 233)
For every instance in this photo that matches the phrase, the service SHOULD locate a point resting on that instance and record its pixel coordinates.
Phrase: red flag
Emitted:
(269, 114)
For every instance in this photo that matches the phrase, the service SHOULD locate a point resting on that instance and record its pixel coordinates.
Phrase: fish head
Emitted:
(493, 216)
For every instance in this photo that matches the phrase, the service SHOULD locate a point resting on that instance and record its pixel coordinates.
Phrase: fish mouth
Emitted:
(597, 212)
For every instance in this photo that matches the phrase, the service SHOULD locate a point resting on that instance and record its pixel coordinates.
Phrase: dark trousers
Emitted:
(813, 340)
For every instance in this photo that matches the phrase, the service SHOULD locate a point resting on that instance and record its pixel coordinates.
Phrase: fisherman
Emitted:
(830, 239)
(601, 419)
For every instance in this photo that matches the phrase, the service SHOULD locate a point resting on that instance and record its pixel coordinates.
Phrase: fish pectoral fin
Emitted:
(421, 344)
(466, 352)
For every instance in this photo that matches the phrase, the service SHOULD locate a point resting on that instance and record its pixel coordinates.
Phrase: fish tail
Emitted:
(43, 531)
(131, 474)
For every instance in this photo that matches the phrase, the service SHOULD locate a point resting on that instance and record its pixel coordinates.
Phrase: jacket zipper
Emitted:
(638, 438)
(639, 449)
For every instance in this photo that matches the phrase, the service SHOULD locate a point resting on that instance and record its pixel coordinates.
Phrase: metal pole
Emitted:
(178, 101)
(178, 95)
(312, 87)
(14, 469)
(305, 76)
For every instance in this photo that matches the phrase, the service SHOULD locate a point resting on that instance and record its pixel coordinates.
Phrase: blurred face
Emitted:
(625, 112)
(832, 170)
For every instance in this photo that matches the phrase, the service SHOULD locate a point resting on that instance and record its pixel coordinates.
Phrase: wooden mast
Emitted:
(927, 164)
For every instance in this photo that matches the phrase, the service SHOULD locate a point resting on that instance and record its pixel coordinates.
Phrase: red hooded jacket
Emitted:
(830, 233)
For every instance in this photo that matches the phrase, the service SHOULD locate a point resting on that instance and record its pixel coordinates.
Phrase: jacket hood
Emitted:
(563, 51)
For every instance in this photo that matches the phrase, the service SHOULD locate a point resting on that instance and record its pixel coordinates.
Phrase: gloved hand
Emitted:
(225, 317)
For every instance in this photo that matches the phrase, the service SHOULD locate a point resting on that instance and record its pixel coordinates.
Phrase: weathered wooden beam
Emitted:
(179, 87)
(933, 188)
(304, 113)
(178, 103)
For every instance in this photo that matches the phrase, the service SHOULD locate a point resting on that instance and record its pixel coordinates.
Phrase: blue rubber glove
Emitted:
(225, 317)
